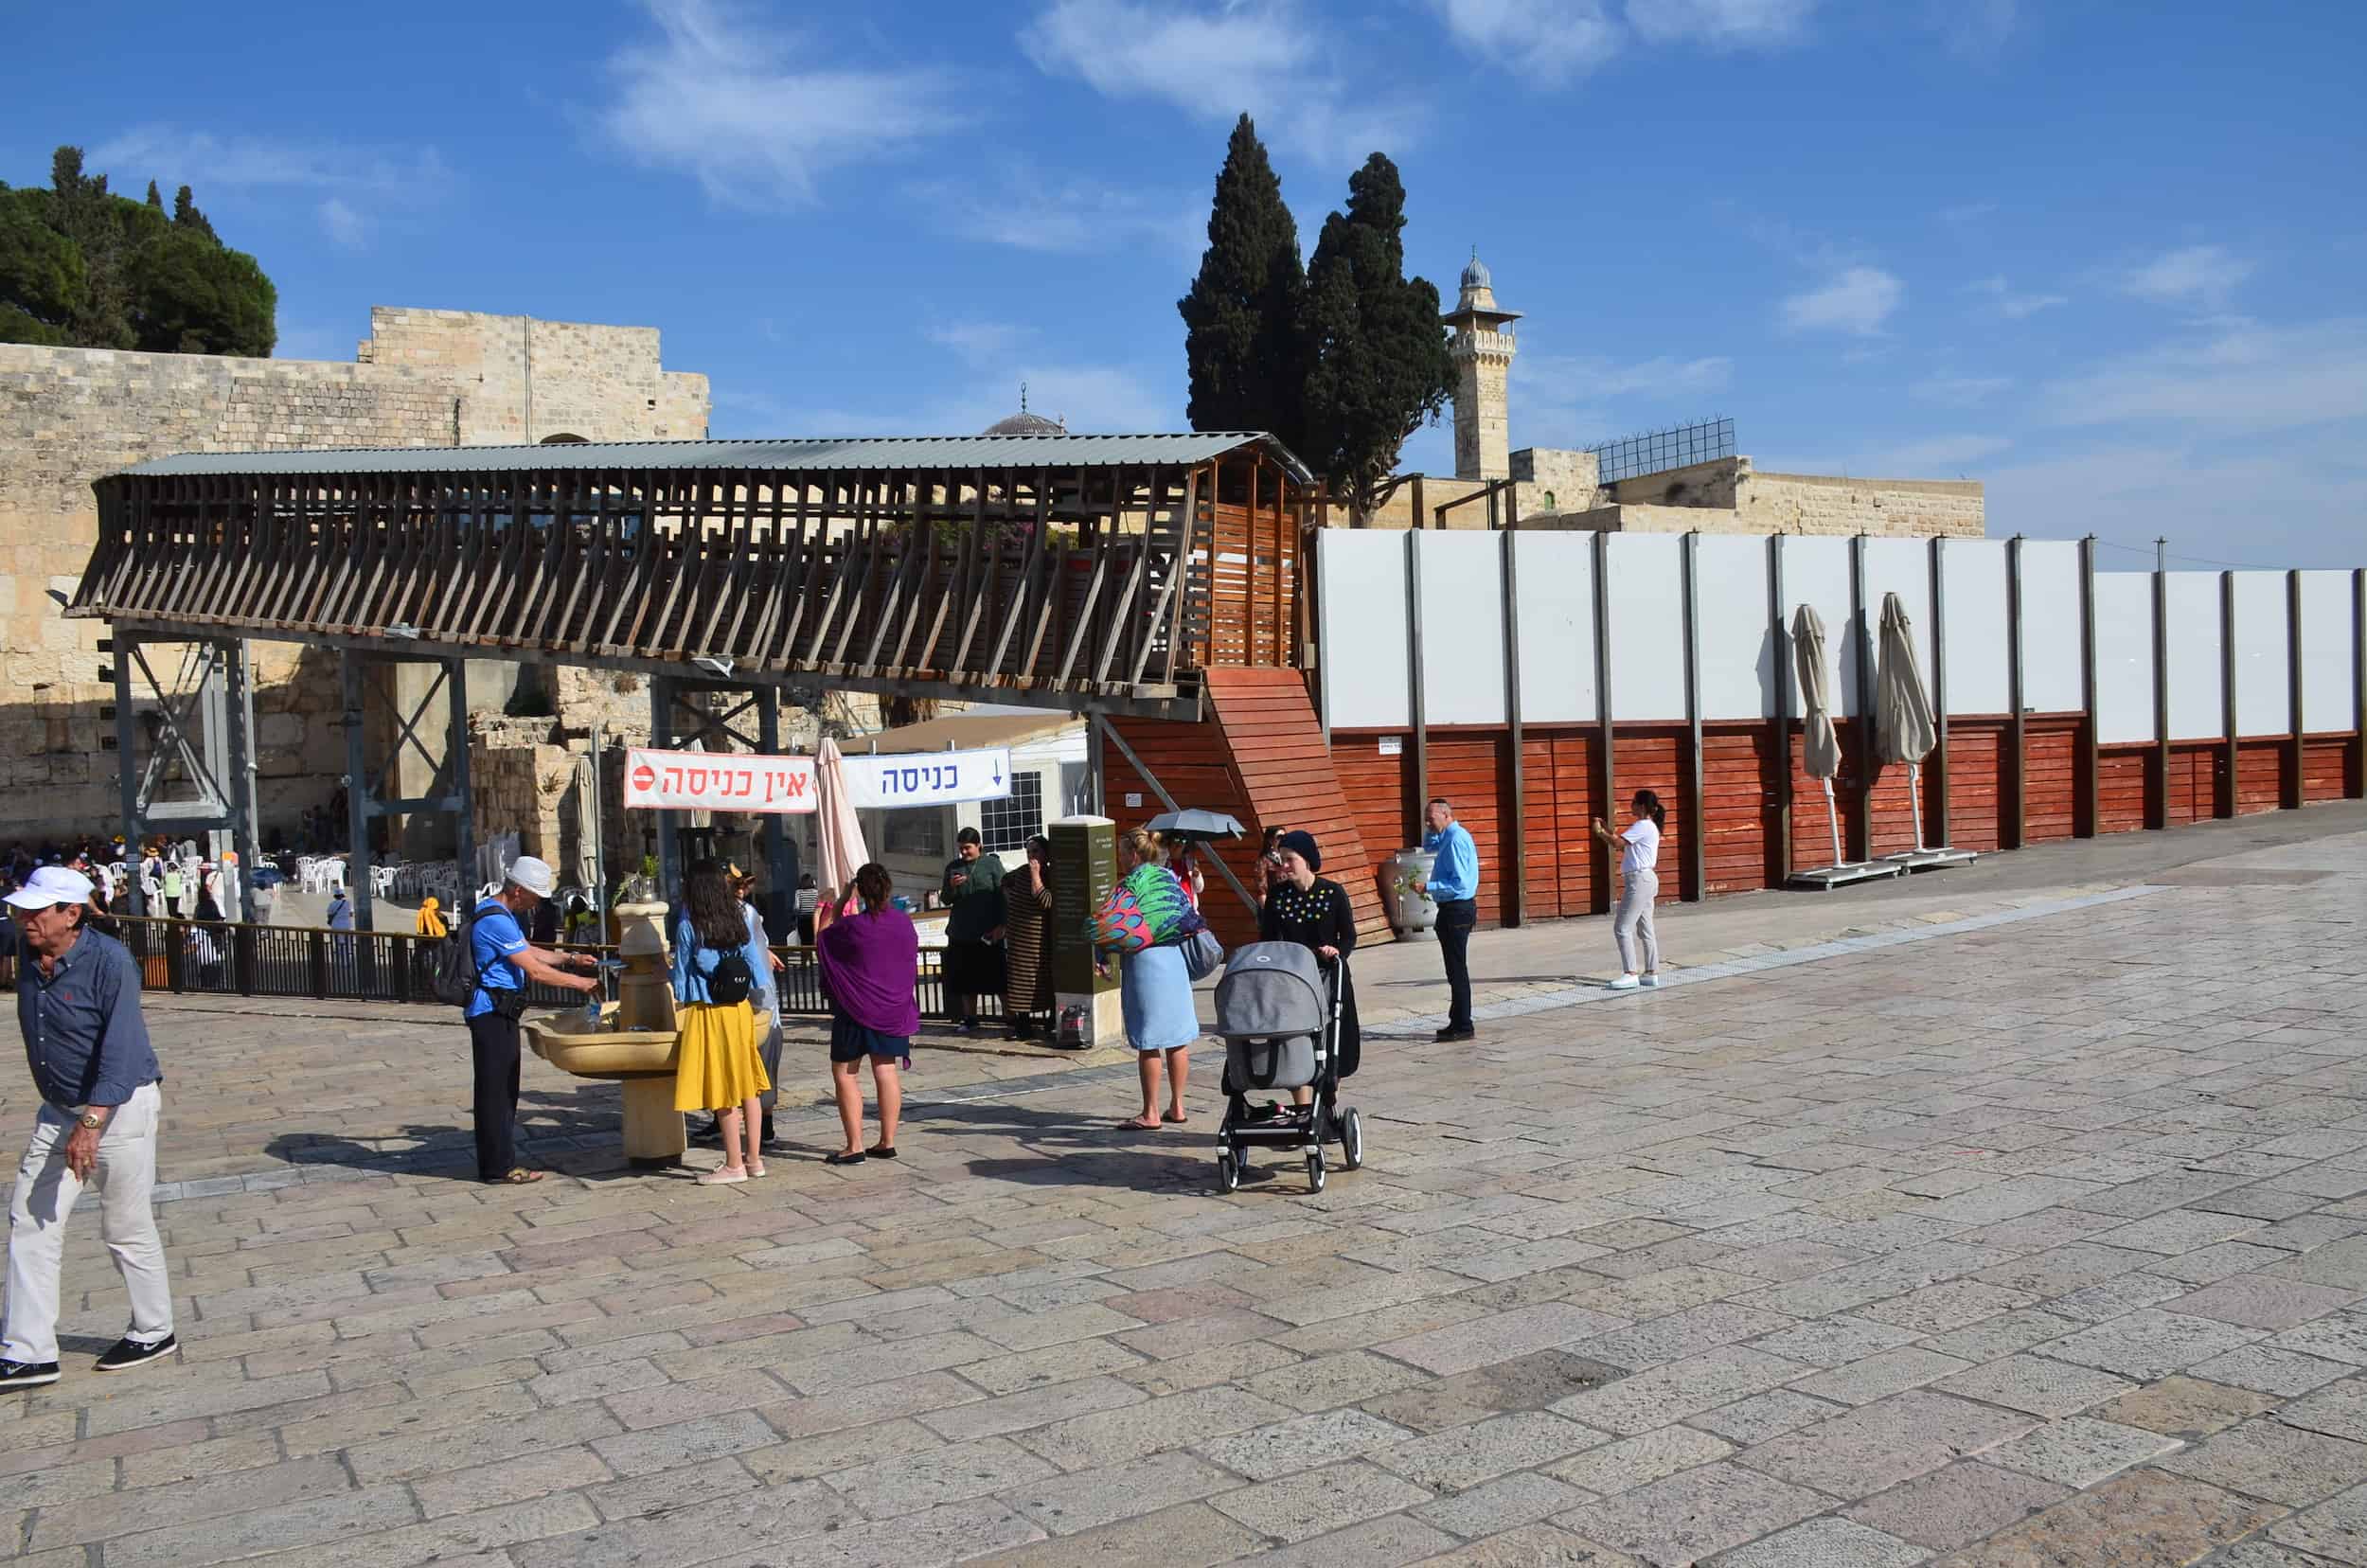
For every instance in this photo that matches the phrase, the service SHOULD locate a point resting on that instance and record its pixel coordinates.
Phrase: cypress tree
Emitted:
(1242, 317)
(156, 198)
(1378, 367)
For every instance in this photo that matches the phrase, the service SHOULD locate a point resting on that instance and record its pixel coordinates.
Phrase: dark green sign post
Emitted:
(1084, 869)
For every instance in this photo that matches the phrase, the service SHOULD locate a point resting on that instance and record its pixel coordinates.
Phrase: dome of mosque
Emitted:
(1475, 276)
(1025, 423)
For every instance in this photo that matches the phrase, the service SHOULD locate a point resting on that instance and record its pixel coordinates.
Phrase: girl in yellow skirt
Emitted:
(717, 965)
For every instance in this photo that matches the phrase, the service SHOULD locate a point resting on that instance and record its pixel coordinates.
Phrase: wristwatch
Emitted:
(93, 1120)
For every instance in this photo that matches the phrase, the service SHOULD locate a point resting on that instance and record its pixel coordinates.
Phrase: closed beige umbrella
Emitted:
(1903, 728)
(838, 832)
(1819, 747)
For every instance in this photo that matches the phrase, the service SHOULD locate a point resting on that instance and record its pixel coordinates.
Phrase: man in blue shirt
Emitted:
(505, 961)
(77, 1003)
(1454, 885)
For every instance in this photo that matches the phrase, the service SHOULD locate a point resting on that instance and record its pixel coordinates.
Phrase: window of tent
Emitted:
(1010, 822)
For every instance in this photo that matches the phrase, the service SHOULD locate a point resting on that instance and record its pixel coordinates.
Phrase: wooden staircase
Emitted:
(1260, 756)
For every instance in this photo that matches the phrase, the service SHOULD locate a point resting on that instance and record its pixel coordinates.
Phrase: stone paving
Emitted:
(2036, 1240)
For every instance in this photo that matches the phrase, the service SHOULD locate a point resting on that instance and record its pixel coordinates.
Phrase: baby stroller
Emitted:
(1279, 1016)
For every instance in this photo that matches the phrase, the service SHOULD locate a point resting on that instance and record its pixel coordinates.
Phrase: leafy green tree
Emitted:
(1242, 317)
(82, 267)
(41, 287)
(1378, 367)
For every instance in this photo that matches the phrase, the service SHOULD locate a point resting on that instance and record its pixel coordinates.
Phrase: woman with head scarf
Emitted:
(1305, 909)
(1154, 986)
(1026, 930)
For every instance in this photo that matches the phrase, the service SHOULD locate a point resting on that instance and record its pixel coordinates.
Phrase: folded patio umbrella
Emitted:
(1819, 748)
(1903, 728)
(838, 832)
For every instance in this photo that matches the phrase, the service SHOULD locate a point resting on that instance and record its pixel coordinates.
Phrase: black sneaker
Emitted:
(129, 1353)
(1456, 1031)
(710, 1133)
(26, 1373)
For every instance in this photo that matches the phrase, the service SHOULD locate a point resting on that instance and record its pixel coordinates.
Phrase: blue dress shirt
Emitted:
(1454, 871)
(84, 1038)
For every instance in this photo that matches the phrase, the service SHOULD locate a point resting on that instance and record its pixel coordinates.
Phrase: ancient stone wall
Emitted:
(1807, 503)
(68, 416)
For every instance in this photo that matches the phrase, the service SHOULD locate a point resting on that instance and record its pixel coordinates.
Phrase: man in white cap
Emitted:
(504, 962)
(77, 1002)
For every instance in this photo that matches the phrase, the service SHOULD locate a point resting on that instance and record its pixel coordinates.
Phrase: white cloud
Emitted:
(1857, 300)
(1959, 391)
(2235, 376)
(1215, 61)
(2011, 305)
(2292, 501)
(1548, 41)
(1967, 212)
(1028, 211)
(1116, 400)
(208, 163)
(1720, 24)
(1931, 454)
(748, 112)
(981, 342)
(2196, 274)
(343, 225)
(1974, 29)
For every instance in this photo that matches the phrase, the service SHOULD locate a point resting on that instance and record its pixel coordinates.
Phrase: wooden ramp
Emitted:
(1260, 756)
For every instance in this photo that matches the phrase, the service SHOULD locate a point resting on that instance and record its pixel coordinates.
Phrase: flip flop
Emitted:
(1138, 1124)
(520, 1176)
(1175, 1117)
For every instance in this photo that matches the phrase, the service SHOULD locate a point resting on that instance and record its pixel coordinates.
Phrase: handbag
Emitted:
(1202, 954)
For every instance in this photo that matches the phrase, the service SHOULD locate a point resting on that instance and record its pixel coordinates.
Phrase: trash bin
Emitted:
(1412, 914)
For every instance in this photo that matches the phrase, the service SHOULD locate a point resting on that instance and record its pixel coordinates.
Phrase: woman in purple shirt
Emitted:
(870, 960)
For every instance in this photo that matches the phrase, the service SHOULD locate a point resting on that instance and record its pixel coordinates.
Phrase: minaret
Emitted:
(1482, 347)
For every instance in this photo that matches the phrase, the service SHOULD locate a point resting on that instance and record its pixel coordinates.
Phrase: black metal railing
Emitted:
(1658, 451)
(205, 959)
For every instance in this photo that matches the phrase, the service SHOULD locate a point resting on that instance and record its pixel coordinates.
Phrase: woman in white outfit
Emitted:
(1639, 856)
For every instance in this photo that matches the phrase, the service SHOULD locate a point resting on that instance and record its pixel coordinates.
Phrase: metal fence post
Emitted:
(1517, 858)
(1697, 793)
(1779, 656)
(1416, 708)
(1861, 723)
(2160, 805)
(2296, 793)
(2227, 694)
(2084, 823)
(1606, 763)
(2013, 827)
(1938, 798)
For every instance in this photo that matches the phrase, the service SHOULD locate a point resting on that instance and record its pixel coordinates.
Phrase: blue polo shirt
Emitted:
(495, 938)
(84, 1038)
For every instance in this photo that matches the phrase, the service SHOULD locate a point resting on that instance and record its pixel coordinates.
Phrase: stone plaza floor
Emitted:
(2018, 1219)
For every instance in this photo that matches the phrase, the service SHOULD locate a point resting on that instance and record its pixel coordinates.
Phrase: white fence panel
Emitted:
(1361, 594)
(1972, 575)
(1555, 580)
(2050, 626)
(1463, 626)
(2124, 657)
(1647, 647)
(2264, 695)
(2196, 710)
(1816, 570)
(1739, 652)
(1901, 566)
(2330, 689)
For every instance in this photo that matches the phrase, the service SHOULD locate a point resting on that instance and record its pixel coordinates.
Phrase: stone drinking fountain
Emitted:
(634, 1041)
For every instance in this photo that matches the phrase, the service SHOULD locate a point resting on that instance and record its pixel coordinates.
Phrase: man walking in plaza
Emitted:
(1454, 885)
(504, 962)
(77, 1003)
(974, 965)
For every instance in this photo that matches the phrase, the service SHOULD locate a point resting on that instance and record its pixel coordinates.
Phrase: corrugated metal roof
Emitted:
(870, 451)
(972, 731)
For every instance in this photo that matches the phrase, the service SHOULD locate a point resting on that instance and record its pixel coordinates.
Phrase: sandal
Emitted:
(519, 1176)
(882, 1151)
(1178, 1117)
(842, 1157)
(1140, 1124)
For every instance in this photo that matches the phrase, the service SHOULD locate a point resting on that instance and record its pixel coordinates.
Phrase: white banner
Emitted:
(718, 782)
(929, 778)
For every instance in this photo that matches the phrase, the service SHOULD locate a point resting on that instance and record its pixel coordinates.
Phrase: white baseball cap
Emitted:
(534, 876)
(52, 885)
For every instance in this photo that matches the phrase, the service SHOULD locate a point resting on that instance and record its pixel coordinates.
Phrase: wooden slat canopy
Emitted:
(1052, 571)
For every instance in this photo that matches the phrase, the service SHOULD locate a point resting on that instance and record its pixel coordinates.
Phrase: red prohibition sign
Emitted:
(645, 778)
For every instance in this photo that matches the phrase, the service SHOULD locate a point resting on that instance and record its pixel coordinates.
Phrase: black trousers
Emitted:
(1455, 921)
(493, 1044)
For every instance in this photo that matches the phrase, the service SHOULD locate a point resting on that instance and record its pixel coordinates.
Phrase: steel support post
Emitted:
(128, 766)
(2012, 827)
(780, 855)
(1696, 838)
(353, 669)
(2296, 792)
(2083, 824)
(1517, 839)
(1779, 654)
(2158, 806)
(1606, 763)
(1416, 708)
(2227, 695)
(1861, 727)
(1940, 779)
(246, 810)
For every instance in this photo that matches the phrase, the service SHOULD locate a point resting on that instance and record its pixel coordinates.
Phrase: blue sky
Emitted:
(2105, 256)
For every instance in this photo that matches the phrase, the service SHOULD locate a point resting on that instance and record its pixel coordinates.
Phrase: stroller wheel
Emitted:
(1315, 1171)
(1228, 1173)
(1351, 1139)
